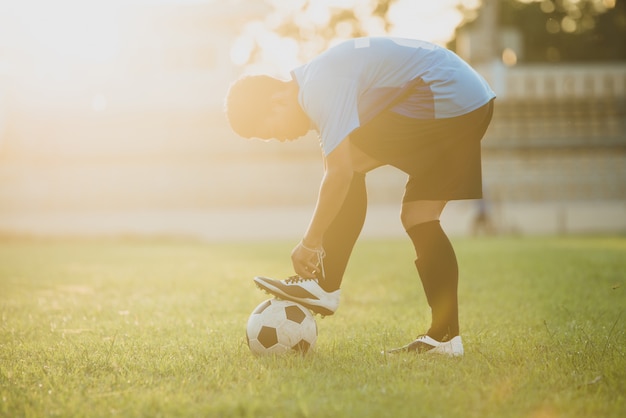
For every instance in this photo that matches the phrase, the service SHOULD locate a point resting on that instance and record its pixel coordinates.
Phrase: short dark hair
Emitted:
(248, 103)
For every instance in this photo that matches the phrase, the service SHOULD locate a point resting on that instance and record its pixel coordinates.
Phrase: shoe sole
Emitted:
(281, 295)
(429, 352)
(445, 350)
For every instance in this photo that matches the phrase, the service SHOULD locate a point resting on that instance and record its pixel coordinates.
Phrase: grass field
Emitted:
(138, 328)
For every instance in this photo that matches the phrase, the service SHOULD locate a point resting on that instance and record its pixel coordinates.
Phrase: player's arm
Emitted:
(333, 191)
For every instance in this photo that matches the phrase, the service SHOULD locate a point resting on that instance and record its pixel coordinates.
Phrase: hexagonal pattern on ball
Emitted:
(279, 326)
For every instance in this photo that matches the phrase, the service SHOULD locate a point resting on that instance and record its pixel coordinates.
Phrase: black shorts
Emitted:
(441, 156)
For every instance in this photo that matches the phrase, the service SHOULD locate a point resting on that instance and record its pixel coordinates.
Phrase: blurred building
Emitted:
(558, 138)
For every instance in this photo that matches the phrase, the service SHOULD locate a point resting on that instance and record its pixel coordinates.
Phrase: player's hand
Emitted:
(306, 261)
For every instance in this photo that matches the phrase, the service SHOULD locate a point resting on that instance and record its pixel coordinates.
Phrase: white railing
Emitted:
(557, 81)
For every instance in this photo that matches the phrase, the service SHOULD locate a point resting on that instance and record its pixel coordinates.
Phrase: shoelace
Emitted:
(297, 279)
(320, 260)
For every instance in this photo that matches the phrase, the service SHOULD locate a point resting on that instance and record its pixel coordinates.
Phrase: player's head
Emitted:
(264, 107)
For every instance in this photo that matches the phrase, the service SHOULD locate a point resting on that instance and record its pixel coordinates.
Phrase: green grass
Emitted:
(138, 328)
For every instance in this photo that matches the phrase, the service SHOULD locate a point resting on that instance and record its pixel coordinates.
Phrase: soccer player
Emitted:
(376, 101)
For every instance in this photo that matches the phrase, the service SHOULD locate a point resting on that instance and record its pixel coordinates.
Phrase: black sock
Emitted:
(343, 232)
(438, 270)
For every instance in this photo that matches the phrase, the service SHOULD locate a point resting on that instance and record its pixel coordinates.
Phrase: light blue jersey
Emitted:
(349, 84)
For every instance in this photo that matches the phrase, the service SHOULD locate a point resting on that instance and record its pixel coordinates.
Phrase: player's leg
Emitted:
(436, 264)
(321, 295)
(438, 271)
(342, 234)
(442, 158)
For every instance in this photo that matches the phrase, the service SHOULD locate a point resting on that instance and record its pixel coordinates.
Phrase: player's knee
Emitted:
(415, 213)
(411, 215)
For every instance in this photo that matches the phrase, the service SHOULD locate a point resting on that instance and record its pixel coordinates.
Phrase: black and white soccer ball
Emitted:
(279, 326)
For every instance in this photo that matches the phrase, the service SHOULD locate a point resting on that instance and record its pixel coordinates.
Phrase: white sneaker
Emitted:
(306, 292)
(426, 344)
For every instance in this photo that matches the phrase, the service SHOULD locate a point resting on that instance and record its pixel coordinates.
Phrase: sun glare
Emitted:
(61, 34)
(429, 20)
(54, 49)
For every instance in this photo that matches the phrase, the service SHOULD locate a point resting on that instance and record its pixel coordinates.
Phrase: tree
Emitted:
(293, 31)
(567, 30)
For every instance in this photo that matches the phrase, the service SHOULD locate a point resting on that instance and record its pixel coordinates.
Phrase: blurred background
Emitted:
(111, 116)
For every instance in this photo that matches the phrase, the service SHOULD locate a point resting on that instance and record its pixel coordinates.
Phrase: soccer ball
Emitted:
(279, 326)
